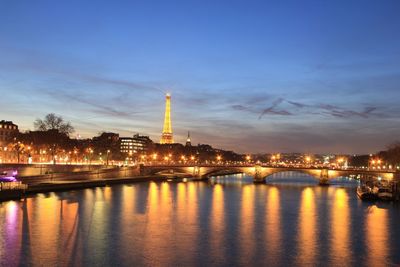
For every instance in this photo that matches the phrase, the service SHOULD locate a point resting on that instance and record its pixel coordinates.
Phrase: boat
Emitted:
(366, 193)
(8, 176)
(385, 193)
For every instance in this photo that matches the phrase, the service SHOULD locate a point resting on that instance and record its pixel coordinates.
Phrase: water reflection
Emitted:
(273, 225)
(195, 223)
(377, 236)
(246, 226)
(340, 236)
(217, 222)
(307, 236)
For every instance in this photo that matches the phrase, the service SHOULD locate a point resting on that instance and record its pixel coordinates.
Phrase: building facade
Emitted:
(136, 145)
(7, 130)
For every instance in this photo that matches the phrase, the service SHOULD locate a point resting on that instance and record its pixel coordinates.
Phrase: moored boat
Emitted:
(366, 193)
(8, 176)
(385, 193)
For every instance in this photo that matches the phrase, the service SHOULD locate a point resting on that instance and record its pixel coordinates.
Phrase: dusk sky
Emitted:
(249, 76)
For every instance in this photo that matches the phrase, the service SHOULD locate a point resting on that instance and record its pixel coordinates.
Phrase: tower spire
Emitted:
(167, 137)
(188, 141)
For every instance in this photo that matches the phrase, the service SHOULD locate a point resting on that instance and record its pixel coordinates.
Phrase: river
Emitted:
(290, 221)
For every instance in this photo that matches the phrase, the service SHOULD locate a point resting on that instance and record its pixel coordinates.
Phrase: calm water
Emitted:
(228, 222)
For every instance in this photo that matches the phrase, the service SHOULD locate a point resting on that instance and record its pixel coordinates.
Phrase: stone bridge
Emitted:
(260, 173)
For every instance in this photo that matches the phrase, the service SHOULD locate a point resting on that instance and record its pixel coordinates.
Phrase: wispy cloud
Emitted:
(99, 108)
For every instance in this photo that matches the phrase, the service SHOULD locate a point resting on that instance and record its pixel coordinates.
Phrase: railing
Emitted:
(13, 186)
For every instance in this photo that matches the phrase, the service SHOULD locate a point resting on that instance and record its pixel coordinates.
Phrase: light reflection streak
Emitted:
(377, 236)
(217, 221)
(273, 225)
(128, 233)
(307, 237)
(246, 236)
(340, 218)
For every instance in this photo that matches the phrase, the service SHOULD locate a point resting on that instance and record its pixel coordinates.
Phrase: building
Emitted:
(188, 141)
(167, 136)
(7, 130)
(138, 144)
(126, 145)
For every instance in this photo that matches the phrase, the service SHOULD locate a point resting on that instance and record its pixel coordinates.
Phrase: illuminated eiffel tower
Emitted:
(166, 137)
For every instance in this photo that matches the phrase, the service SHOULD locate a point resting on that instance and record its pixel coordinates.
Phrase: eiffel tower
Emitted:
(166, 137)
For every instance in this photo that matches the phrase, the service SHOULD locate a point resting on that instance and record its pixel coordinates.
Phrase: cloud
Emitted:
(272, 109)
(297, 104)
(100, 109)
(366, 113)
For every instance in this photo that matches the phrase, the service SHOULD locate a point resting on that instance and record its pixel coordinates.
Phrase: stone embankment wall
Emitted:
(25, 170)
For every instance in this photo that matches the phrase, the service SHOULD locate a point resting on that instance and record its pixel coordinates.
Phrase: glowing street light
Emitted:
(108, 153)
(308, 159)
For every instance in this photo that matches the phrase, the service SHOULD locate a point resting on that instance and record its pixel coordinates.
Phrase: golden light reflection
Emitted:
(246, 237)
(273, 224)
(100, 220)
(191, 222)
(158, 234)
(377, 236)
(217, 220)
(127, 231)
(47, 219)
(307, 237)
(340, 235)
(68, 233)
(152, 229)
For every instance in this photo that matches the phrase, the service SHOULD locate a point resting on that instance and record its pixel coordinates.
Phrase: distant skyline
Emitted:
(249, 76)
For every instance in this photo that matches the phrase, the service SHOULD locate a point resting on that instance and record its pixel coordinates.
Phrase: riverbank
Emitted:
(74, 185)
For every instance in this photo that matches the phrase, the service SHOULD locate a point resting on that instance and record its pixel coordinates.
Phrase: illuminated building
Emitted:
(138, 144)
(188, 141)
(7, 130)
(166, 137)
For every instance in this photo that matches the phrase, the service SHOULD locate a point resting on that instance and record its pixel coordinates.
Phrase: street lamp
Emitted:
(90, 157)
(108, 153)
(248, 158)
(308, 160)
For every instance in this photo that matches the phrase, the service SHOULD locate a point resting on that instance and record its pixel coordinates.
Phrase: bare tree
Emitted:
(393, 153)
(54, 122)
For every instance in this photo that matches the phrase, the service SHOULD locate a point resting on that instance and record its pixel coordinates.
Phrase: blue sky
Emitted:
(252, 76)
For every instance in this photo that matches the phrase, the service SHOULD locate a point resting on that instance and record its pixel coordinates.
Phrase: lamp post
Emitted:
(90, 157)
(108, 153)
(308, 160)
(248, 158)
(219, 159)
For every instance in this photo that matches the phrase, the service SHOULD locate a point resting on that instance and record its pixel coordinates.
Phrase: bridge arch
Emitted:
(208, 172)
(315, 174)
(171, 169)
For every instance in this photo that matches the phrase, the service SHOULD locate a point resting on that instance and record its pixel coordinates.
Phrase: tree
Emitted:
(393, 153)
(54, 122)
